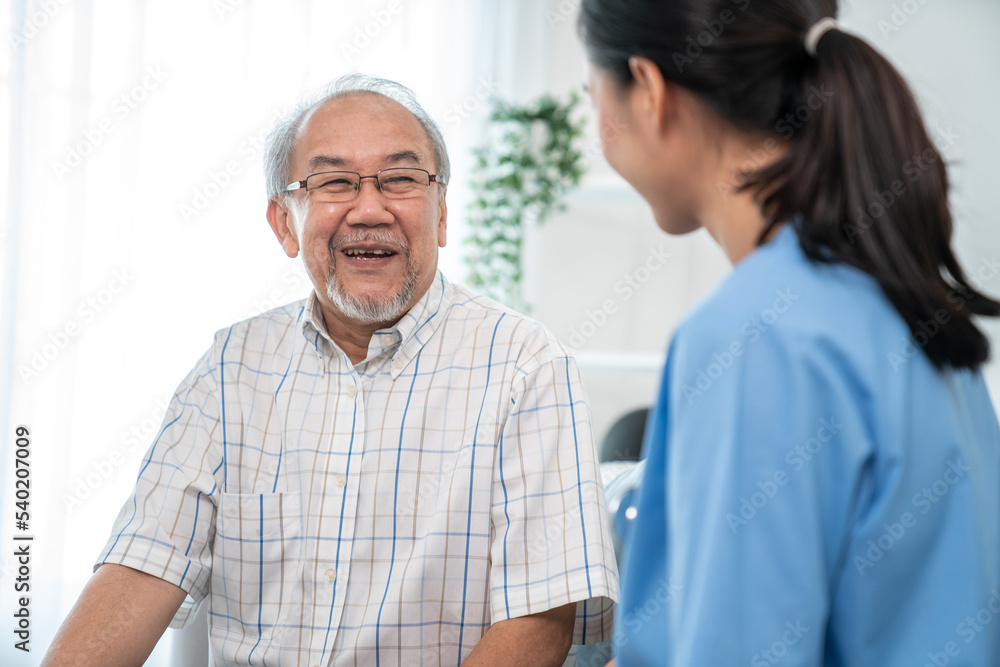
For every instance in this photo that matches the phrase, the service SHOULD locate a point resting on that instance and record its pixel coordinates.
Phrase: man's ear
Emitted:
(656, 100)
(280, 219)
(442, 222)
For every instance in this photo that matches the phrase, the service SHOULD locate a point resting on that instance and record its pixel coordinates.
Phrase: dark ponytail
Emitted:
(861, 170)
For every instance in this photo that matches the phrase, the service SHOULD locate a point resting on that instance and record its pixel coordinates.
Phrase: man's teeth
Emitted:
(354, 253)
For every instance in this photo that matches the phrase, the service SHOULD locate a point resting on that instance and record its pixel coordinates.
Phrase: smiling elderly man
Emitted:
(392, 471)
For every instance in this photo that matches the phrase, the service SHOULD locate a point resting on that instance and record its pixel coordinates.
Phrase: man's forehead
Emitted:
(363, 101)
(399, 157)
(391, 131)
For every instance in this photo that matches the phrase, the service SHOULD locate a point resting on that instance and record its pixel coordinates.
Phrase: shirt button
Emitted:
(340, 479)
(330, 574)
(397, 362)
(352, 391)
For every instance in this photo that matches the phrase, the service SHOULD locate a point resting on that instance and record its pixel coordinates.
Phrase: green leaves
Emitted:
(533, 159)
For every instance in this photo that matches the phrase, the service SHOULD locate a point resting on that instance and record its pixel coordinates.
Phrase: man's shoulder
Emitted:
(264, 325)
(509, 331)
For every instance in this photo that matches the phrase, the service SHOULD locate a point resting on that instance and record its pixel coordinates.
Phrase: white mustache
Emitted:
(380, 237)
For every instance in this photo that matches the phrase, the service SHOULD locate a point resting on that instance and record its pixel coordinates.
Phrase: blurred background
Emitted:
(133, 207)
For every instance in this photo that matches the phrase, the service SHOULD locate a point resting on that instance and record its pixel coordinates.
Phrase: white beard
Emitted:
(372, 309)
(366, 309)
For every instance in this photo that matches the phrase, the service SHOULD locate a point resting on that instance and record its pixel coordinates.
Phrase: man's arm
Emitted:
(117, 620)
(536, 640)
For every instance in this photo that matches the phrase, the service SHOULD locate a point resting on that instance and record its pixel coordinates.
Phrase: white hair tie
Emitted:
(816, 32)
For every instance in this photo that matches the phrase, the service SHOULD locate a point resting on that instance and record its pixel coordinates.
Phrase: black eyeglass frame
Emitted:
(301, 185)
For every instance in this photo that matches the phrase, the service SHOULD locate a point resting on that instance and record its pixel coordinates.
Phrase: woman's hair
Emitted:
(860, 169)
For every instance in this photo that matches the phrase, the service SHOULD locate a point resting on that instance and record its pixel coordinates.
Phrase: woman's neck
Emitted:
(732, 216)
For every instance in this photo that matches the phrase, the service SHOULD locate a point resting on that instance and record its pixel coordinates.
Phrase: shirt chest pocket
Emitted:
(257, 563)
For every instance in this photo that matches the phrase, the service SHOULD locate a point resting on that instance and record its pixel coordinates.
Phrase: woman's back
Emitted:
(824, 484)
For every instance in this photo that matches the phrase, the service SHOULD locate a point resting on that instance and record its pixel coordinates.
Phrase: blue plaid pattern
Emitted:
(379, 514)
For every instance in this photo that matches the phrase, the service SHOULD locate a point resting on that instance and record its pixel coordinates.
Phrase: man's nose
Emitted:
(369, 205)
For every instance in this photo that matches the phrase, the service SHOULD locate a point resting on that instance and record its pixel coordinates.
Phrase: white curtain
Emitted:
(134, 223)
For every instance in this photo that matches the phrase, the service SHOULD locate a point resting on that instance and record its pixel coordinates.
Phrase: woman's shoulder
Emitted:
(780, 294)
(778, 290)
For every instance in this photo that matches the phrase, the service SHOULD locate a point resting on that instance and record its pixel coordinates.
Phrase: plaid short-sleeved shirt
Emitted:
(385, 513)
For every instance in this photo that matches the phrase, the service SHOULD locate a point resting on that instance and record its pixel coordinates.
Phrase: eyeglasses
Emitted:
(341, 186)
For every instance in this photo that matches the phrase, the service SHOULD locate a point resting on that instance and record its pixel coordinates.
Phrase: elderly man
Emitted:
(392, 471)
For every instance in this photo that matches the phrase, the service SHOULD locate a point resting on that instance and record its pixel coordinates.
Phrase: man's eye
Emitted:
(337, 183)
(399, 180)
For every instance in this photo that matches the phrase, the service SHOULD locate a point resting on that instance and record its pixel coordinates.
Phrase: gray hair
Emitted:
(281, 140)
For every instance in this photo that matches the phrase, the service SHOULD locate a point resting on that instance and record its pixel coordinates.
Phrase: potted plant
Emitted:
(532, 159)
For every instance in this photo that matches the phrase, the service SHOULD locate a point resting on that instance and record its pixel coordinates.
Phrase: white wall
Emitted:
(949, 51)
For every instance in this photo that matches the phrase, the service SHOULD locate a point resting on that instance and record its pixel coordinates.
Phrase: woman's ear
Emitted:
(654, 97)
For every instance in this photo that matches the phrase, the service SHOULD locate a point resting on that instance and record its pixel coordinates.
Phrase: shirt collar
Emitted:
(407, 336)
(313, 329)
(415, 328)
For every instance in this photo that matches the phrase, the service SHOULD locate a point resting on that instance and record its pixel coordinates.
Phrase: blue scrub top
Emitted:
(815, 492)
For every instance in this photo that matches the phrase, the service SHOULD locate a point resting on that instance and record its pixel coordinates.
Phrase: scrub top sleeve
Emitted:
(766, 451)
